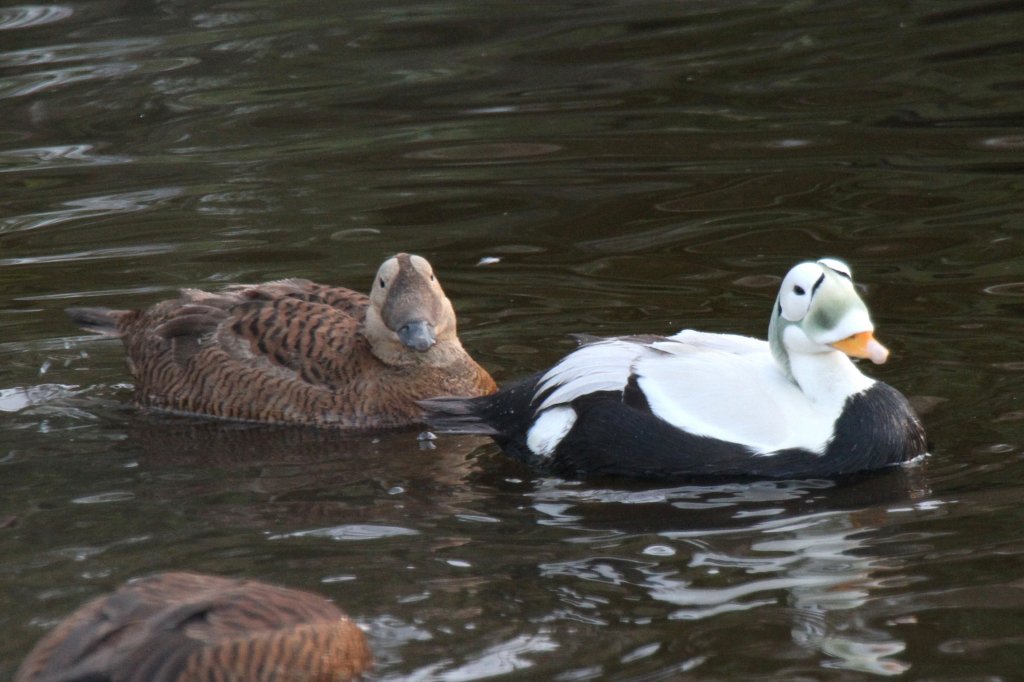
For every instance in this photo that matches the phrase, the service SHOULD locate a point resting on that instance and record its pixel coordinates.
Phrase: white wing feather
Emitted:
(722, 386)
(600, 366)
(730, 343)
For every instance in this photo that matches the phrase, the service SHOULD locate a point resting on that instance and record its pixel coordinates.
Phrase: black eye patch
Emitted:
(818, 283)
(844, 274)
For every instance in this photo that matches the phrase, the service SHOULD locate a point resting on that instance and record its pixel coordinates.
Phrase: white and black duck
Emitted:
(700, 404)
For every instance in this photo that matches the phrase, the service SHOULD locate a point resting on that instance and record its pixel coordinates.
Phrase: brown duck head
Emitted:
(410, 320)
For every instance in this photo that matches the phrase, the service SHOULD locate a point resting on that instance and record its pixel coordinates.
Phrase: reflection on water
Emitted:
(27, 16)
(816, 562)
(49, 158)
(821, 566)
(611, 168)
(82, 209)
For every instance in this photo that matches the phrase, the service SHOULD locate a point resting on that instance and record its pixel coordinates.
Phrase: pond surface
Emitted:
(622, 167)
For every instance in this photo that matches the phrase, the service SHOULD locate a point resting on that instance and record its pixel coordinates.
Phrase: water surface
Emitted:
(618, 167)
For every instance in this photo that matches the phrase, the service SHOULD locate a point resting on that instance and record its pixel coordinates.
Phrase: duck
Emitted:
(699, 404)
(292, 351)
(193, 627)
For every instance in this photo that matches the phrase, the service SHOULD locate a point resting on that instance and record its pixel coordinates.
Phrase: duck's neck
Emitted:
(775, 341)
(827, 379)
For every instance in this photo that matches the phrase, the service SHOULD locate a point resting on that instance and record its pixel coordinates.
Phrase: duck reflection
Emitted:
(821, 562)
(709, 551)
(262, 474)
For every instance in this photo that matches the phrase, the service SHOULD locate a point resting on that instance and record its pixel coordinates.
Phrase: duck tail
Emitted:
(458, 415)
(503, 414)
(100, 320)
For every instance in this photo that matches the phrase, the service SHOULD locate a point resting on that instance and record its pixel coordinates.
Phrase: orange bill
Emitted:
(863, 345)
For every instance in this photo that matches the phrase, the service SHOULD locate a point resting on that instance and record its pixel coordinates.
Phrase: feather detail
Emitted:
(296, 352)
(603, 365)
(187, 626)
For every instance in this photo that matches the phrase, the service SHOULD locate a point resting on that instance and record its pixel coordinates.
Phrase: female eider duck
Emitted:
(699, 404)
(191, 627)
(295, 352)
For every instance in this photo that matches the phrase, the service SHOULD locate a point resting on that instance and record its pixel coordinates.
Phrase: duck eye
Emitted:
(431, 277)
(799, 290)
(382, 283)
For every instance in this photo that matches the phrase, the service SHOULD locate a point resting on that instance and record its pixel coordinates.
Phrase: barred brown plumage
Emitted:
(191, 627)
(296, 352)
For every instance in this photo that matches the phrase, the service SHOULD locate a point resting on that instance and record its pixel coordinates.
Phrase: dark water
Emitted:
(634, 167)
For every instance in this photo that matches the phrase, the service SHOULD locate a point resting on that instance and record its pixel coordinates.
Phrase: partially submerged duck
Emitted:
(296, 352)
(700, 404)
(191, 627)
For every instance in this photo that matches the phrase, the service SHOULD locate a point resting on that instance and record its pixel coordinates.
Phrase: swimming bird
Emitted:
(295, 352)
(191, 627)
(702, 404)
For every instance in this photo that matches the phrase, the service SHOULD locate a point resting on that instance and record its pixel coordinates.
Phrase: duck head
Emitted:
(409, 315)
(819, 311)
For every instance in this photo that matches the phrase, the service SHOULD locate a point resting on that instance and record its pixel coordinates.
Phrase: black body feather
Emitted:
(616, 434)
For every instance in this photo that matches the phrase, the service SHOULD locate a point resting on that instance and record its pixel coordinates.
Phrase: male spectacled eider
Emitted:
(296, 352)
(701, 404)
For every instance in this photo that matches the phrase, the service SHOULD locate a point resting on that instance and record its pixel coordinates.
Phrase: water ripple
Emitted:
(353, 531)
(24, 16)
(40, 81)
(35, 83)
(105, 498)
(18, 398)
(94, 254)
(77, 52)
(501, 659)
(57, 156)
(90, 207)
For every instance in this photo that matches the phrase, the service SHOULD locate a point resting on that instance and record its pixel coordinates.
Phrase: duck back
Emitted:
(189, 627)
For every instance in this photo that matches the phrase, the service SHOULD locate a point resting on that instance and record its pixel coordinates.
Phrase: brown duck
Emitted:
(189, 627)
(296, 352)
